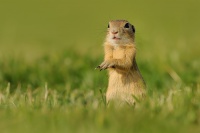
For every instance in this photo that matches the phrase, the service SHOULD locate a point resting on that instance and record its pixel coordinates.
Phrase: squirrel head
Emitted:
(120, 32)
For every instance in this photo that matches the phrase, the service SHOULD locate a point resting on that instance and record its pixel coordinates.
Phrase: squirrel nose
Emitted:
(114, 32)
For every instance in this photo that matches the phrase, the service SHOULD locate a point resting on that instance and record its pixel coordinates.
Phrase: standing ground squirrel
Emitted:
(125, 81)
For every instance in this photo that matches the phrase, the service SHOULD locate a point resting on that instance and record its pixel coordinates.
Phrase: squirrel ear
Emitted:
(133, 28)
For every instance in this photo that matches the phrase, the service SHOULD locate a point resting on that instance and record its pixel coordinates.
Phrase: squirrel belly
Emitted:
(125, 81)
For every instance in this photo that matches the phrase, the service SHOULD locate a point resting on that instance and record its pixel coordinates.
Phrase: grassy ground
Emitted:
(49, 50)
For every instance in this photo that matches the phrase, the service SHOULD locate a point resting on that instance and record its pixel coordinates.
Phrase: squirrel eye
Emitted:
(126, 25)
(133, 28)
(108, 26)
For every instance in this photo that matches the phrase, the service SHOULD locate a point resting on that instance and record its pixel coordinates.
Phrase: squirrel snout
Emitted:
(114, 32)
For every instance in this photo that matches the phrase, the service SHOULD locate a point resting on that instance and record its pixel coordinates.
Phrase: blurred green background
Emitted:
(49, 49)
(167, 32)
(35, 26)
(167, 35)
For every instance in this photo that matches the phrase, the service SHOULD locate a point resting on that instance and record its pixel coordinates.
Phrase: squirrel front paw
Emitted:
(106, 64)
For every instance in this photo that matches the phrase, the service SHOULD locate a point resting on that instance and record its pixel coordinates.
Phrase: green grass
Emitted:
(49, 50)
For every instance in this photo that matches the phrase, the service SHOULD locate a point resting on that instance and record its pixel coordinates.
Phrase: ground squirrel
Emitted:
(125, 81)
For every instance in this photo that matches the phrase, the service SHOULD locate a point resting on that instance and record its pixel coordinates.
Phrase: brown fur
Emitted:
(125, 81)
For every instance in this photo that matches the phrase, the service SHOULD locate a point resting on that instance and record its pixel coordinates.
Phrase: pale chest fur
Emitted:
(118, 53)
